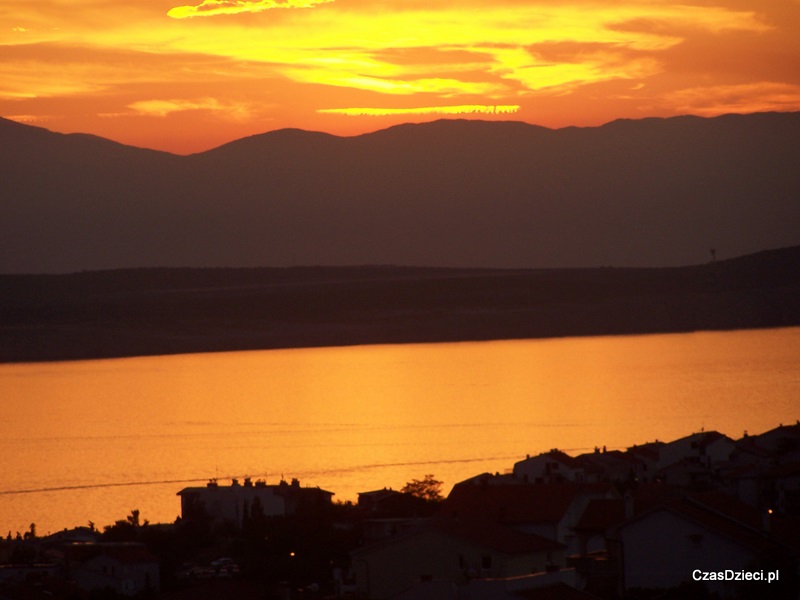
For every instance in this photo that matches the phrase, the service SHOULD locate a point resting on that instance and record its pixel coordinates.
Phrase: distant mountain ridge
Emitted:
(450, 193)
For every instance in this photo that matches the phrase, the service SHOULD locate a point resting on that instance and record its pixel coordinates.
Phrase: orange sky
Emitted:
(188, 77)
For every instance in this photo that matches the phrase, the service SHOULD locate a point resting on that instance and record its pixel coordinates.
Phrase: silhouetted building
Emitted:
(550, 510)
(706, 532)
(389, 503)
(550, 467)
(707, 449)
(612, 465)
(451, 550)
(126, 568)
(238, 502)
(783, 441)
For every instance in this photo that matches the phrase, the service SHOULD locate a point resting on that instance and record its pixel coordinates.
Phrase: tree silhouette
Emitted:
(428, 488)
(127, 529)
(133, 518)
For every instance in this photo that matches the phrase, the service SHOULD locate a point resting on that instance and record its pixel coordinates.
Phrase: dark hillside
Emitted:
(450, 193)
(162, 311)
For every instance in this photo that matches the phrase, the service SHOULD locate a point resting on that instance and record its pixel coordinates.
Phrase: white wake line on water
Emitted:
(90, 486)
(367, 467)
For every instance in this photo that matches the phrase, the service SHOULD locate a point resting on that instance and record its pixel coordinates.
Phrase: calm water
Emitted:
(92, 440)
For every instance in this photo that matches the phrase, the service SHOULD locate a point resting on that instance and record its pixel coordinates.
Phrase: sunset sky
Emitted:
(186, 77)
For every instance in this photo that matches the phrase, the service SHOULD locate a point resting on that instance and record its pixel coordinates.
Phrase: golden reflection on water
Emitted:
(358, 418)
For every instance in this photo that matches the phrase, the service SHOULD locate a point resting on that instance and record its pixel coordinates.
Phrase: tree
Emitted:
(133, 518)
(428, 488)
(127, 529)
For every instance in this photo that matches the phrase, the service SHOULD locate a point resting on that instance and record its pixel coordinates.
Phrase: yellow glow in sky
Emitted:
(465, 109)
(189, 76)
(210, 8)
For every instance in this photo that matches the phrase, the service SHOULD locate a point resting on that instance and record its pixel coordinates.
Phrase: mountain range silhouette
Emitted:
(451, 193)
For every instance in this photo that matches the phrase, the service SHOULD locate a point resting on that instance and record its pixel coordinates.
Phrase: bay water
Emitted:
(92, 440)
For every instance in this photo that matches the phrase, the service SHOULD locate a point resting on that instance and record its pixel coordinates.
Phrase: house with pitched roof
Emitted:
(549, 510)
(645, 457)
(782, 441)
(764, 470)
(610, 465)
(450, 550)
(664, 546)
(127, 568)
(784, 484)
(237, 502)
(707, 449)
(550, 467)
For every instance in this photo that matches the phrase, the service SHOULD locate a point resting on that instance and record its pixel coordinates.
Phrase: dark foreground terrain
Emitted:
(163, 311)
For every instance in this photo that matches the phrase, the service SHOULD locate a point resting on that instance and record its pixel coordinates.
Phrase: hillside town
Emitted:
(703, 516)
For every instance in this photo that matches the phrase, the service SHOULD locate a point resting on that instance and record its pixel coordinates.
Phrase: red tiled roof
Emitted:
(703, 438)
(790, 431)
(609, 457)
(497, 537)
(488, 535)
(749, 445)
(556, 455)
(522, 503)
(383, 492)
(717, 513)
(564, 458)
(729, 506)
(649, 450)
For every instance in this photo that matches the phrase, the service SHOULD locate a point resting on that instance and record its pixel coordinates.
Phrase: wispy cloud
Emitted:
(492, 53)
(390, 84)
(534, 73)
(25, 81)
(565, 62)
(210, 8)
(748, 97)
(30, 119)
(162, 108)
